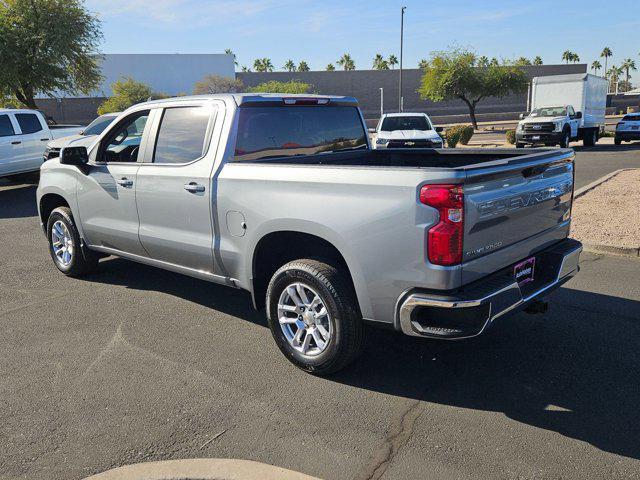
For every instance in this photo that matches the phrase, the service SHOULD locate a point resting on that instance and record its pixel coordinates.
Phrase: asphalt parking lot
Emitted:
(134, 364)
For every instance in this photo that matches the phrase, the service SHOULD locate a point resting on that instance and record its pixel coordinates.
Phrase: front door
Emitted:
(107, 194)
(174, 196)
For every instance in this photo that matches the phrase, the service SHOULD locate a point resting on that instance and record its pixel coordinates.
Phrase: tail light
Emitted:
(444, 240)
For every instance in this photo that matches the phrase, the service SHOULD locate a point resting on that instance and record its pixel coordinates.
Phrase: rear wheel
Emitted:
(617, 141)
(519, 145)
(313, 316)
(590, 138)
(65, 246)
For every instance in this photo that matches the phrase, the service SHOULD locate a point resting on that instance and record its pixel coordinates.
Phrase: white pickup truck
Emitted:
(24, 135)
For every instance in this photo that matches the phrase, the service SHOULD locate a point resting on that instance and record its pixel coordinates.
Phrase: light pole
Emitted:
(401, 42)
(381, 101)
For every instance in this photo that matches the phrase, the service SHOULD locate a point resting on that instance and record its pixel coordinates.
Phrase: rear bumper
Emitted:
(543, 137)
(633, 135)
(469, 311)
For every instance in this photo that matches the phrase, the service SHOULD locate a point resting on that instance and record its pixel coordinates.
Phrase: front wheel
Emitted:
(313, 316)
(65, 246)
(566, 139)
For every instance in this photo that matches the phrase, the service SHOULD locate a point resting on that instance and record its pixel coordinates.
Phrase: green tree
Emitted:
(273, 86)
(454, 74)
(379, 63)
(393, 61)
(567, 56)
(228, 51)
(613, 74)
(303, 67)
(538, 60)
(217, 84)
(290, 66)
(423, 64)
(126, 92)
(628, 65)
(606, 54)
(330, 67)
(483, 61)
(263, 65)
(595, 66)
(575, 58)
(523, 62)
(346, 62)
(244, 68)
(47, 47)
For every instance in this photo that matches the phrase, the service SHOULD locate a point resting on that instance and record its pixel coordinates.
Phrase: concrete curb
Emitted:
(600, 181)
(609, 249)
(201, 469)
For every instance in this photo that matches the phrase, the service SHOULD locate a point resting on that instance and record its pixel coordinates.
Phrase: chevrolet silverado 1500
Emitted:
(283, 196)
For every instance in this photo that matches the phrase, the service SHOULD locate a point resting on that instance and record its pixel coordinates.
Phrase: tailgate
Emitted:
(525, 201)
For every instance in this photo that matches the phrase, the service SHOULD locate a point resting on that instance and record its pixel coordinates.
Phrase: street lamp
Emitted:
(381, 101)
(401, 41)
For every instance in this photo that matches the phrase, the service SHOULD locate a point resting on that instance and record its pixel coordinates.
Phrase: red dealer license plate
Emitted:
(523, 272)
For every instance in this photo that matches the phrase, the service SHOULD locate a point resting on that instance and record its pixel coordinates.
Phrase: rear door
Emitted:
(174, 193)
(509, 204)
(35, 136)
(10, 146)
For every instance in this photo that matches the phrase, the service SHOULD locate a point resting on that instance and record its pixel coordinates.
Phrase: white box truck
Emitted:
(564, 108)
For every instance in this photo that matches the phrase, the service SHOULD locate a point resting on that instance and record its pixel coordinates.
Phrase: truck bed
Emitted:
(418, 158)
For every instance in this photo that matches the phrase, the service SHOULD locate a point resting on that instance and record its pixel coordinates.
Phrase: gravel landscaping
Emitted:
(609, 215)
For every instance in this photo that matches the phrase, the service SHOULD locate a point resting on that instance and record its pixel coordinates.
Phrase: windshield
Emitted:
(300, 130)
(98, 125)
(549, 112)
(390, 124)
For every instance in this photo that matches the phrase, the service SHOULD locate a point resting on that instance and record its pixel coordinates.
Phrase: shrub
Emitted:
(126, 92)
(273, 86)
(511, 136)
(607, 134)
(217, 84)
(458, 134)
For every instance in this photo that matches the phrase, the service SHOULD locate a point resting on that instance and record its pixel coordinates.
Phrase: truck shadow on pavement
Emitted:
(574, 370)
(18, 201)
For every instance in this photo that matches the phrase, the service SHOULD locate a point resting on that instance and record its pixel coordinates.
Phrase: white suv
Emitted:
(406, 130)
(628, 128)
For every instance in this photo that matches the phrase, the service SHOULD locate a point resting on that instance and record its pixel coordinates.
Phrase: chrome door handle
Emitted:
(193, 187)
(44, 139)
(125, 182)
(16, 143)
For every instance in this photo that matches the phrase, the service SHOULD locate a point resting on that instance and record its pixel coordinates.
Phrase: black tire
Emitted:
(590, 138)
(336, 292)
(82, 260)
(566, 139)
(519, 145)
(617, 141)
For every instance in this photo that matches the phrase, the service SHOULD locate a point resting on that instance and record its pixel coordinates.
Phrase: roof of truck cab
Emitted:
(405, 114)
(242, 98)
(17, 110)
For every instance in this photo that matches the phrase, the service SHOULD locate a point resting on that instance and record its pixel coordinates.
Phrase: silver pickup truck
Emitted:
(281, 195)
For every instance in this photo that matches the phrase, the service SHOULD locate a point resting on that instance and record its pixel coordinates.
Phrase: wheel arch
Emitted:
(48, 203)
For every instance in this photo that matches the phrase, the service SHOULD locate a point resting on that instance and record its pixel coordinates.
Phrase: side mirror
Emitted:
(522, 115)
(76, 156)
(578, 115)
(439, 129)
(372, 130)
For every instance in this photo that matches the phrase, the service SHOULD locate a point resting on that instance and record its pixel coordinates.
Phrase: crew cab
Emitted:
(282, 196)
(23, 138)
(84, 138)
(628, 128)
(406, 130)
(565, 108)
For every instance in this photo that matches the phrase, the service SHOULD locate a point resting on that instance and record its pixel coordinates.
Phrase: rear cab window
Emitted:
(29, 123)
(288, 131)
(6, 128)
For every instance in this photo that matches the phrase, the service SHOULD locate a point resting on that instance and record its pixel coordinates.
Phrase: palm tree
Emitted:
(423, 64)
(569, 56)
(595, 66)
(606, 53)
(627, 65)
(263, 65)
(379, 63)
(393, 61)
(483, 61)
(303, 67)
(523, 61)
(244, 68)
(257, 65)
(290, 66)
(330, 68)
(614, 75)
(537, 60)
(346, 62)
(575, 58)
(228, 51)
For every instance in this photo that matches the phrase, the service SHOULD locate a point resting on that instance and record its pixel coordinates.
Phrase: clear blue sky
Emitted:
(321, 31)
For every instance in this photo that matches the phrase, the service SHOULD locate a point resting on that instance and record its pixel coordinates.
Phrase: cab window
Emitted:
(6, 129)
(182, 133)
(28, 122)
(123, 144)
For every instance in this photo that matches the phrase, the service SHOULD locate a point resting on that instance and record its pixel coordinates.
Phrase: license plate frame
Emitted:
(524, 271)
